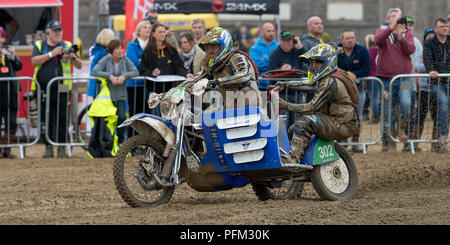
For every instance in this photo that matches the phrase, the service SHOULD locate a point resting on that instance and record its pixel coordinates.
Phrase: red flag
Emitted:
(134, 12)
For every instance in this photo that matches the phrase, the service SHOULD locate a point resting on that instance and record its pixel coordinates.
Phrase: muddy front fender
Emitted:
(146, 124)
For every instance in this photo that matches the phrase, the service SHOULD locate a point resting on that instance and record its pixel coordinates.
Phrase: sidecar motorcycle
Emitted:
(228, 149)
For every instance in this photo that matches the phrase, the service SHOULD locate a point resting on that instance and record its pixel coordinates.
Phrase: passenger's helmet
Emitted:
(325, 52)
(218, 36)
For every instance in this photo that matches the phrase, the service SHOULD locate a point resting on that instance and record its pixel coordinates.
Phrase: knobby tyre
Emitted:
(287, 191)
(337, 180)
(135, 190)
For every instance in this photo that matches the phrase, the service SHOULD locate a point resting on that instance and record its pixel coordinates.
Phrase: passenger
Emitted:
(331, 114)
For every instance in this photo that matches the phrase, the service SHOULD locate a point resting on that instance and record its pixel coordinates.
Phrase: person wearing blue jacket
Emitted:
(96, 53)
(261, 50)
(135, 88)
(355, 60)
(136, 93)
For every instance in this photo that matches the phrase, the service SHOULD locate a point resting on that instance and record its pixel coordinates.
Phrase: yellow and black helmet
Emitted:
(325, 52)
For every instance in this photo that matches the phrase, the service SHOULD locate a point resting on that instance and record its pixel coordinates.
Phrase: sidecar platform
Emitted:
(241, 141)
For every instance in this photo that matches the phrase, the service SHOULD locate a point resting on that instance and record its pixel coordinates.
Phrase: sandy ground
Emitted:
(394, 188)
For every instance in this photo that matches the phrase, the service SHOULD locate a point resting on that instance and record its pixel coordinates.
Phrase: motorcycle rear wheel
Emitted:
(337, 180)
(135, 186)
(286, 191)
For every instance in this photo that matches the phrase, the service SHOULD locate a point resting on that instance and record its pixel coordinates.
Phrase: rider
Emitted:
(224, 66)
(330, 114)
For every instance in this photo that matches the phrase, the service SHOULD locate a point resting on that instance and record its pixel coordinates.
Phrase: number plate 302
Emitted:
(324, 152)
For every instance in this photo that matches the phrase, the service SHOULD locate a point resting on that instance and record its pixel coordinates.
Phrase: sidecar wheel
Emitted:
(293, 191)
(135, 186)
(337, 180)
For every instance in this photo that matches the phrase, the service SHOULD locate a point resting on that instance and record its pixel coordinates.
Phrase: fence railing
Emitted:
(66, 123)
(63, 130)
(406, 95)
(14, 137)
(372, 87)
(369, 131)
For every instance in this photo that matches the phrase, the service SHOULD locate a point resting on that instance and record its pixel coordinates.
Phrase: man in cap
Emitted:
(51, 59)
(286, 57)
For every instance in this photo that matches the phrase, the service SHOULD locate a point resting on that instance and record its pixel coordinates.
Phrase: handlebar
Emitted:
(276, 88)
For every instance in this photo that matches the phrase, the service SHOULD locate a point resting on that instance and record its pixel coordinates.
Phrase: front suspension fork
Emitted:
(176, 151)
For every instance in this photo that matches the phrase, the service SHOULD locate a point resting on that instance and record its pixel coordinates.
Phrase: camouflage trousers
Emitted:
(323, 126)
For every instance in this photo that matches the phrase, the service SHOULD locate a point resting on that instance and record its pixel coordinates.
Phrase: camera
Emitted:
(402, 21)
(295, 41)
(72, 49)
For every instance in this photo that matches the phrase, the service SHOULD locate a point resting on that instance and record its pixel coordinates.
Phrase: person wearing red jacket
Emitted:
(396, 44)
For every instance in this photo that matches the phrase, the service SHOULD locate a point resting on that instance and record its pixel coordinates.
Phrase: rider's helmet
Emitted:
(221, 37)
(325, 52)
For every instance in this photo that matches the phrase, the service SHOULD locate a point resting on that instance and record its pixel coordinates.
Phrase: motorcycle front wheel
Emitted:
(337, 180)
(135, 184)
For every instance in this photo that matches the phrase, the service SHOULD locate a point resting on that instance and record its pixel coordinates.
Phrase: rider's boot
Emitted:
(298, 145)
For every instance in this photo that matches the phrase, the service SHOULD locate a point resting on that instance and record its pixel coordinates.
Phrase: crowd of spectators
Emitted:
(389, 51)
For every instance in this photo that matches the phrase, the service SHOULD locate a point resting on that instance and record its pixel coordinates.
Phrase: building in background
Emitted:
(362, 16)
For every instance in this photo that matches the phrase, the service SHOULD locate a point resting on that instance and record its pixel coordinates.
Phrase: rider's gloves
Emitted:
(281, 84)
(213, 83)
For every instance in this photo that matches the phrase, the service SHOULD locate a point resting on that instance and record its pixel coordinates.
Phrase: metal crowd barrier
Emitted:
(76, 124)
(370, 133)
(67, 102)
(24, 125)
(414, 121)
(65, 130)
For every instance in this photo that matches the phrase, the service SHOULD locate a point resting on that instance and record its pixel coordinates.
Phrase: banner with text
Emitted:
(217, 6)
(134, 11)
